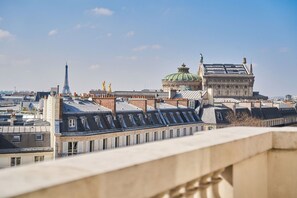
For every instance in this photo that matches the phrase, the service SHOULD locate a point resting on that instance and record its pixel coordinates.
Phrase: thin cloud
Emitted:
(130, 34)
(284, 50)
(102, 11)
(53, 32)
(1, 19)
(95, 66)
(146, 47)
(109, 34)
(4, 35)
(130, 58)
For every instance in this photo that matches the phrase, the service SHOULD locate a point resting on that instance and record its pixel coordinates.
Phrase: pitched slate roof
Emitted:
(225, 69)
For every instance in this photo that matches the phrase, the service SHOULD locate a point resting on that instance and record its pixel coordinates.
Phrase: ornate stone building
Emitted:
(182, 80)
(227, 80)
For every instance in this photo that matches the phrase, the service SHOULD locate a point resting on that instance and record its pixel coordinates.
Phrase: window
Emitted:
(191, 116)
(186, 116)
(38, 158)
(38, 137)
(179, 117)
(122, 121)
(171, 133)
(172, 117)
(138, 139)
(163, 135)
(147, 137)
(72, 124)
(98, 122)
(185, 131)
(191, 131)
(116, 142)
(178, 132)
(72, 148)
(132, 120)
(91, 146)
(110, 121)
(158, 118)
(150, 119)
(140, 116)
(220, 116)
(15, 161)
(84, 122)
(16, 138)
(127, 140)
(104, 143)
(197, 129)
(155, 136)
(165, 117)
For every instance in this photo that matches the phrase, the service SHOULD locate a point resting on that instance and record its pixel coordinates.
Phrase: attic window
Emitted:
(186, 116)
(158, 118)
(72, 123)
(220, 116)
(110, 121)
(179, 117)
(172, 117)
(132, 119)
(149, 117)
(16, 138)
(140, 116)
(165, 117)
(191, 116)
(122, 121)
(98, 122)
(84, 122)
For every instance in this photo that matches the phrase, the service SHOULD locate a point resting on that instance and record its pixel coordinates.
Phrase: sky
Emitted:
(134, 44)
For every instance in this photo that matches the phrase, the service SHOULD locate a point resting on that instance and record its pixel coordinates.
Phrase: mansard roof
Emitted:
(237, 69)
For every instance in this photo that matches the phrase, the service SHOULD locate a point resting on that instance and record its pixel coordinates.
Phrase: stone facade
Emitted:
(228, 80)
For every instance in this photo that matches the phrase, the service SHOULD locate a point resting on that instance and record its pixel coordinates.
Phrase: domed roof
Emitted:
(183, 74)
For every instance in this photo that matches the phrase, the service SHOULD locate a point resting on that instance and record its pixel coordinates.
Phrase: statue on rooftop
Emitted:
(103, 86)
(109, 88)
(201, 58)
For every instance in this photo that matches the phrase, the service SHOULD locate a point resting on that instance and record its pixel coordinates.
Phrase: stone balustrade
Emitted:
(231, 162)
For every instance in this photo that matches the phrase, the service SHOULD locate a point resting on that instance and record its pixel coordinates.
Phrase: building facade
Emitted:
(228, 80)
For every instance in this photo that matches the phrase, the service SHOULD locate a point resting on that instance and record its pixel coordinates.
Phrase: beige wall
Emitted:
(26, 158)
(250, 177)
(282, 177)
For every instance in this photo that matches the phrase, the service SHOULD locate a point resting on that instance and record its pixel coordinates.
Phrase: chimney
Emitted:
(152, 103)
(139, 102)
(58, 87)
(172, 93)
(244, 60)
(184, 102)
(171, 102)
(108, 102)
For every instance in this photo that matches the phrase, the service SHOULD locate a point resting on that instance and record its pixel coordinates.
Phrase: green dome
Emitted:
(183, 74)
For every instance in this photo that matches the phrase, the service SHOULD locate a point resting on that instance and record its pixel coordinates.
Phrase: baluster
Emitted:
(215, 180)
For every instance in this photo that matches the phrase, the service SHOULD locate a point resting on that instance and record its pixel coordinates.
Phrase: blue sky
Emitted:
(134, 44)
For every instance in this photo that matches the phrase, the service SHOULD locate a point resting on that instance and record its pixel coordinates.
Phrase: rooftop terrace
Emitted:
(232, 162)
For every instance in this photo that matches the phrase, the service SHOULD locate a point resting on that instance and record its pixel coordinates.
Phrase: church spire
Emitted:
(66, 88)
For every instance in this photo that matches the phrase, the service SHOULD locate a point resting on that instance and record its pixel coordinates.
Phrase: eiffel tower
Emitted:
(66, 88)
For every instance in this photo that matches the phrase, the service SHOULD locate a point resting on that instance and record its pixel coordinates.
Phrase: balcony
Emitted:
(232, 162)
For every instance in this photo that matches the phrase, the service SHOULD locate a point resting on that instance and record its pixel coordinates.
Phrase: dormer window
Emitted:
(141, 118)
(165, 117)
(186, 116)
(150, 119)
(110, 121)
(172, 117)
(122, 121)
(179, 117)
(220, 116)
(158, 118)
(132, 119)
(191, 116)
(98, 122)
(72, 124)
(84, 122)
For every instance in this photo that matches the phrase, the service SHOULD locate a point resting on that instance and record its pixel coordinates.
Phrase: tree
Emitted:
(243, 119)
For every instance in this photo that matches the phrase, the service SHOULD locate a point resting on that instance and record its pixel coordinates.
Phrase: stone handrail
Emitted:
(179, 167)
